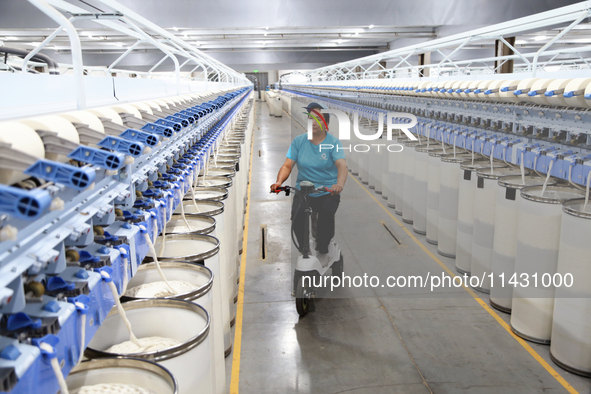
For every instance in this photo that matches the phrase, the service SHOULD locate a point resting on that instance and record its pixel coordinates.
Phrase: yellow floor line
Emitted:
(240, 304)
(482, 303)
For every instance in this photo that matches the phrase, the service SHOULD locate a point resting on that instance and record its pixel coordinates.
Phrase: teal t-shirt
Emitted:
(316, 162)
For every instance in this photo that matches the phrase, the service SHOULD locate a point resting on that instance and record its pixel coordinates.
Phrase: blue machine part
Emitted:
(140, 136)
(161, 130)
(78, 178)
(175, 125)
(99, 158)
(178, 119)
(23, 204)
(134, 149)
(21, 362)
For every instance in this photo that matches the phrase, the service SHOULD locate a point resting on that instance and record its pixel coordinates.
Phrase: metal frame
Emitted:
(529, 63)
(132, 24)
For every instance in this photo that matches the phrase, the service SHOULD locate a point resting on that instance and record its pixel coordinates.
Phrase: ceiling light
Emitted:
(265, 34)
(371, 26)
(10, 38)
(267, 28)
(175, 28)
(540, 38)
(186, 37)
(356, 33)
(520, 42)
(119, 44)
(264, 43)
(33, 43)
(339, 41)
(87, 34)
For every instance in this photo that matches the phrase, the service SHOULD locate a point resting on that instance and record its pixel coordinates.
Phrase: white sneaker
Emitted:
(324, 259)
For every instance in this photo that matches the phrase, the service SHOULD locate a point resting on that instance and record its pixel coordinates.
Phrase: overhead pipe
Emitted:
(39, 57)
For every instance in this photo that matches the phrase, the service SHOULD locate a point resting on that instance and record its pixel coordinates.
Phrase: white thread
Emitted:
(153, 251)
(547, 178)
(121, 311)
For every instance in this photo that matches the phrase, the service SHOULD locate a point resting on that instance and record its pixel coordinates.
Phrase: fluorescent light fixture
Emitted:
(540, 38)
(264, 43)
(267, 28)
(520, 42)
(175, 28)
(119, 44)
(87, 34)
(371, 26)
(186, 37)
(10, 38)
(33, 43)
(339, 41)
(356, 34)
(265, 33)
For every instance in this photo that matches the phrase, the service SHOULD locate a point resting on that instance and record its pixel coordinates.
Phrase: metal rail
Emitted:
(528, 64)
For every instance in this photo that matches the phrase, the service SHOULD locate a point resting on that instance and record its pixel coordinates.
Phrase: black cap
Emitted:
(312, 106)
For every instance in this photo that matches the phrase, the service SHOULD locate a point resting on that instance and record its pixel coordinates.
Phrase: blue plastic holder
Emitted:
(161, 130)
(78, 178)
(174, 118)
(23, 204)
(87, 258)
(56, 283)
(140, 136)
(176, 126)
(130, 148)
(98, 157)
(21, 321)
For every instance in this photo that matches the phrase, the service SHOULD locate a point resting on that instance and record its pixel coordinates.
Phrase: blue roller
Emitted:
(130, 148)
(140, 136)
(98, 157)
(161, 130)
(23, 204)
(78, 178)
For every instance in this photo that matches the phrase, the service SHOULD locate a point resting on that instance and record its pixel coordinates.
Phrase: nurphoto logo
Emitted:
(345, 130)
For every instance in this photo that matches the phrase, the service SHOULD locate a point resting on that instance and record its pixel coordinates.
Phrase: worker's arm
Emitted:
(341, 177)
(283, 174)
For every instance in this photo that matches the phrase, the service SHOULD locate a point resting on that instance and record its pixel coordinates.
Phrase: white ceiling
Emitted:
(278, 34)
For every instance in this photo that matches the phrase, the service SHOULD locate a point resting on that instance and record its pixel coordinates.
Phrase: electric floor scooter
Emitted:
(309, 270)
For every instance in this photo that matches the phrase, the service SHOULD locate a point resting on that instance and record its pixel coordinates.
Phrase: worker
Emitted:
(324, 167)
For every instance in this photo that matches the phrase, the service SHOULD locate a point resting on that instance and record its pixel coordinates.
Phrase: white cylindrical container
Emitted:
(505, 237)
(571, 342)
(449, 184)
(232, 218)
(374, 168)
(101, 374)
(203, 249)
(364, 156)
(467, 187)
(485, 196)
(538, 240)
(396, 177)
(197, 275)
(433, 163)
(408, 155)
(384, 168)
(420, 192)
(184, 321)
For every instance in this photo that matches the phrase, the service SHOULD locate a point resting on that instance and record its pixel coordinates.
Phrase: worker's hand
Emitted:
(336, 189)
(275, 186)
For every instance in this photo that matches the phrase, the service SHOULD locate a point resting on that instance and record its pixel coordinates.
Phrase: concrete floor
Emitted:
(369, 341)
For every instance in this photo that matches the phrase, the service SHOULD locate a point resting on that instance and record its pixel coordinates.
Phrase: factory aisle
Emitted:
(374, 344)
